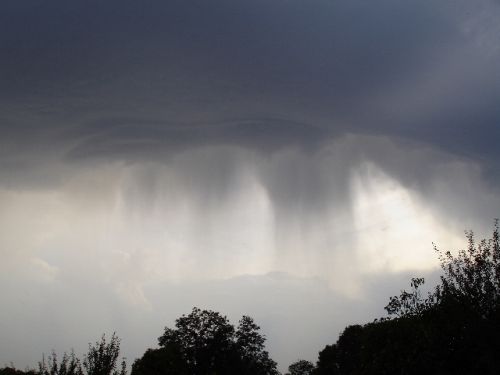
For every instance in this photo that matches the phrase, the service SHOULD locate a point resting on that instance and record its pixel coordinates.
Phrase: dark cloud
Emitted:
(259, 41)
(187, 140)
(124, 79)
(314, 62)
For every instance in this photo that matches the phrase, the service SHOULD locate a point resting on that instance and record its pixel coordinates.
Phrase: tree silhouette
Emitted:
(204, 338)
(300, 367)
(250, 347)
(453, 330)
(473, 275)
(70, 365)
(471, 279)
(411, 303)
(11, 370)
(102, 357)
(204, 343)
(167, 360)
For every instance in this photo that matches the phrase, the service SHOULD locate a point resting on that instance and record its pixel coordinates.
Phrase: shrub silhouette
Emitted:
(101, 359)
(69, 365)
(11, 370)
(300, 367)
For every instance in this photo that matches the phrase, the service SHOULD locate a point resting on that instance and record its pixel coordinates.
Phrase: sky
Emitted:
(290, 160)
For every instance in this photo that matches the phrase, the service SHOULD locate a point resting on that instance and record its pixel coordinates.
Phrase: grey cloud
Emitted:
(129, 139)
(162, 144)
(127, 111)
(142, 79)
(320, 60)
(291, 40)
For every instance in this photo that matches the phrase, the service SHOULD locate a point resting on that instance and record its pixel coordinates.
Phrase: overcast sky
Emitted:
(287, 159)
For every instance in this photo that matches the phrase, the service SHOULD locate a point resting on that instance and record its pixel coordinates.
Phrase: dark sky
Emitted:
(156, 155)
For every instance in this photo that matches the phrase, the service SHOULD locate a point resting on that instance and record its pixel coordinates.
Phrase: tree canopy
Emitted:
(300, 367)
(102, 357)
(455, 329)
(205, 342)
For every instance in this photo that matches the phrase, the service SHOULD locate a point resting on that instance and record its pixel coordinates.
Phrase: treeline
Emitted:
(202, 342)
(454, 329)
(101, 359)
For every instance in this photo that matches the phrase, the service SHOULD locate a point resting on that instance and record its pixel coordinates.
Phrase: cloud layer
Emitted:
(160, 155)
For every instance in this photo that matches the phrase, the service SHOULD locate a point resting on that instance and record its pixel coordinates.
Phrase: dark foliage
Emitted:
(102, 358)
(300, 367)
(411, 303)
(205, 343)
(167, 360)
(472, 277)
(453, 330)
(11, 370)
(69, 365)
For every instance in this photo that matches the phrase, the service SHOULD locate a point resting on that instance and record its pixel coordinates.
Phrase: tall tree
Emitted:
(472, 276)
(455, 329)
(204, 342)
(300, 367)
(253, 357)
(102, 358)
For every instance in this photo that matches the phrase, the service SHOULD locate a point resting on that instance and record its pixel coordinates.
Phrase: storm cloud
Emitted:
(157, 155)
